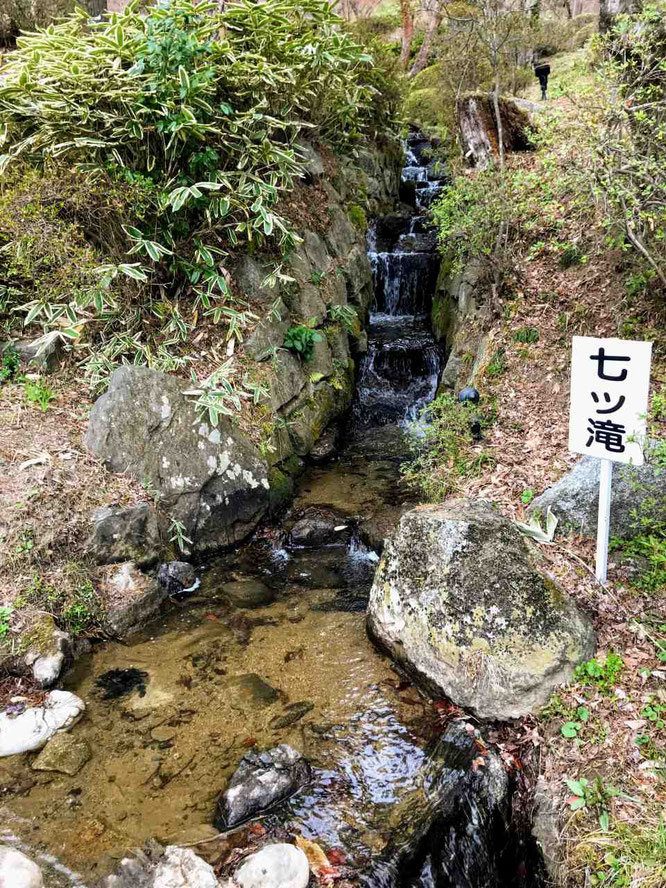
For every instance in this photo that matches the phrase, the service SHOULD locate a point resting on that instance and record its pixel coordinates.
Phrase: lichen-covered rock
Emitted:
(32, 728)
(211, 479)
(261, 780)
(131, 533)
(131, 598)
(460, 601)
(478, 128)
(637, 491)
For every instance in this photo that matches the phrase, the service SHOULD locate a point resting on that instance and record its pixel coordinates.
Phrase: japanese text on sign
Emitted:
(610, 381)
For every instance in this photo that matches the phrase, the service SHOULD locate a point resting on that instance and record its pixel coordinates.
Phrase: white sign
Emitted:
(610, 382)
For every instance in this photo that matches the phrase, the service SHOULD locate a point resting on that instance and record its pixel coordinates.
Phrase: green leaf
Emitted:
(604, 820)
(134, 271)
(577, 804)
(583, 713)
(184, 79)
(577, 787)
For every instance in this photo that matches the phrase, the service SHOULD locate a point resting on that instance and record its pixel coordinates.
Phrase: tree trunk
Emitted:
(407, 21)
(421, 59)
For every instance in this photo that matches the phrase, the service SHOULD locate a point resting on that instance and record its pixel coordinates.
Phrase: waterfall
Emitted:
(399, 374)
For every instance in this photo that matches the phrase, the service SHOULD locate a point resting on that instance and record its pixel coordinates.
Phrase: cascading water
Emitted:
(400, 372)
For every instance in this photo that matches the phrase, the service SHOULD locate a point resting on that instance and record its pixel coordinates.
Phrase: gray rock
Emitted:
(211, 479)
(546, 829)
(460, 601)
(636, 491)
(44, 353)
(64, 754)
(125, 534)
(315, 250)
(17, 870)
(261, 781)
(250, 276)
(31, 730)
(341, 235)
(275, 866)
(326, 446)
(269, 334)
(320, 365)
(314, 165)
(248, 593)
(307, 305)
(177, 577)
(316, 526)
(173, 868)
(287, 380)
(131, 598)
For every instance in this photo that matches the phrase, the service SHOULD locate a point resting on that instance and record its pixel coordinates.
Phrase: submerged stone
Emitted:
(171, 867)
(248, 593)
(261, 780)
(294, 713)
(250, 691)
(320, 526)
(460, 600)
(63, 753)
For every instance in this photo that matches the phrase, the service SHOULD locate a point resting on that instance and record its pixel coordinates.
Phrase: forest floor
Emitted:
(601, 742)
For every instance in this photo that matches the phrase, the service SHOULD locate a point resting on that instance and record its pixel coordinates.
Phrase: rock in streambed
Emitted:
(261, 780)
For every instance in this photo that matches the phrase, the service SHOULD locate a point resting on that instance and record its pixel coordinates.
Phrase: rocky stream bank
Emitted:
(254, 730)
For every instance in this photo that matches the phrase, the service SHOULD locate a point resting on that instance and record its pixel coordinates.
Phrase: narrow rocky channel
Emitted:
(272, 649)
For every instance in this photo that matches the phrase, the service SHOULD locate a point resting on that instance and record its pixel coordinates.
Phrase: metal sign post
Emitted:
(610, 381)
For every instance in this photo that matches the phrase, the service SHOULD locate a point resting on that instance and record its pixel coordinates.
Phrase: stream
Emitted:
(214, 680)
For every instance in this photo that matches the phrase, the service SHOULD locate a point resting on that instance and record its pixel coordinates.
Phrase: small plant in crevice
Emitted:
(177, 531)
(358, 218)
(301, 340)
(497, 365)
(345, 314)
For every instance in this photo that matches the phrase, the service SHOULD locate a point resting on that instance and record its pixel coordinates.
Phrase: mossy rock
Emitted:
(461, 601)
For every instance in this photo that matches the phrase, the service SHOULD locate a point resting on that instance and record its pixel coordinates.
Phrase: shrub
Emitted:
(442, 451)
(195, 112)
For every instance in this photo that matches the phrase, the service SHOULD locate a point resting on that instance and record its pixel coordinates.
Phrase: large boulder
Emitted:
(637, 491)
(261, 780)
(31, 729)
(212, 479)
(459, 599)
